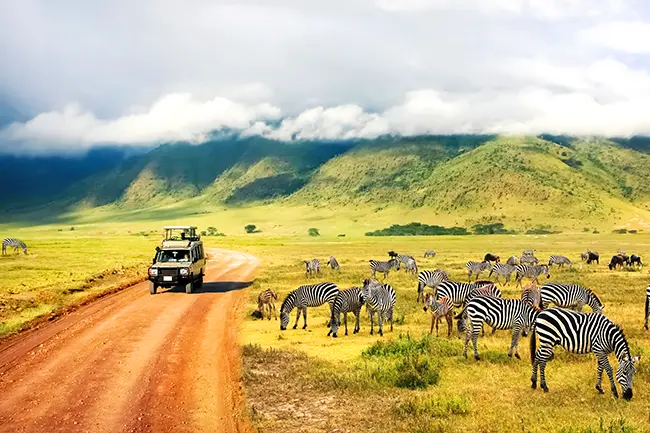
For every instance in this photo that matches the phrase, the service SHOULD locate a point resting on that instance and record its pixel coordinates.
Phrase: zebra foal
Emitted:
(313, 295)
(265, 301)
(15, 243)
(439, 309)
(333, 263)
(582, 333)
(346, 301)
(379, 298)
(312, 267)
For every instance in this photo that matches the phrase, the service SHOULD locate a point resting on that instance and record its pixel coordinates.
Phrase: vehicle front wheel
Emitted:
(199, 282)
(189, 287)
(153, 288)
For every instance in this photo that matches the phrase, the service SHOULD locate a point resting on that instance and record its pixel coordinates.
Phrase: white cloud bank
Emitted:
(335, 69)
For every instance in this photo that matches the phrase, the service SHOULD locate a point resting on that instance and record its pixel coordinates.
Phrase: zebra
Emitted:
(487, 289)
(500, 314)
(405, 259)
(312, 267)
(528, 253)
(439, 309)
(457, 291)
(430, 279)
(502, 269)
(590, 256)
(513, 260)
(647, 307)
(12, 242)
(265, 301)
(528, 259)
(346, 301)
(379, 298)
(582, 333)
(429, 253)
(532, 295)
(533, 272)
(333, 263)
(313, 295)
(569, 296)
(411, 266)
(476, 268)
(559, 260)
(384, 267)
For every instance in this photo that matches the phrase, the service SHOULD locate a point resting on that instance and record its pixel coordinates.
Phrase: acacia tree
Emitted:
(313, 232)
(250, 228)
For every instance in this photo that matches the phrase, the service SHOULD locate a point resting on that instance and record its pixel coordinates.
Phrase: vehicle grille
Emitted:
(169, 272)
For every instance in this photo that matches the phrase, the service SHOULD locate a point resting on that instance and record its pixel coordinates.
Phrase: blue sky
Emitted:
(124, 72)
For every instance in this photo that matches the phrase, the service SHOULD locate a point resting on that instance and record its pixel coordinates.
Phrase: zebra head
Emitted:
(427, 300)
(625, 374)
(594, 302)
(544, 270)
(284, 320)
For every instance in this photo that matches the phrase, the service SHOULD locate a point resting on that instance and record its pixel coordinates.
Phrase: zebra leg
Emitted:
(371, 313)
(380, 317)
(297, 317)
(304, 316)
(450, 324)
(275, 311)
(514, 345)
(603, 363)
(433, 320)
(468, 335)
(469, 276)
(475, 330)
(391, 320)
(345, 320)
(357, 315)
(543, 355)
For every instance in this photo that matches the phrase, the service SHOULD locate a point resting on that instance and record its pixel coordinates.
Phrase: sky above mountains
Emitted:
(140, 73)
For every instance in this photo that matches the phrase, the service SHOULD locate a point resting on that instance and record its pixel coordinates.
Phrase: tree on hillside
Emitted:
(212, 231)
(250, 228)
(313, 232)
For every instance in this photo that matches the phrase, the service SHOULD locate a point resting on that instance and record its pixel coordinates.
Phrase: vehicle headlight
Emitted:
(153, 272)
(185, 271)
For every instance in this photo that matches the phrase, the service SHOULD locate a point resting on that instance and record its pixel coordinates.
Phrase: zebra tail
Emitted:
(533, 345)
(461, 314)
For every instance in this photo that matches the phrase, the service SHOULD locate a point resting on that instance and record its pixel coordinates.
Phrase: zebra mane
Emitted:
(627, 346)
(291, 295)
(592, 293)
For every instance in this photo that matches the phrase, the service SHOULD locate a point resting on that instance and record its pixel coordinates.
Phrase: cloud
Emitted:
(123, 73)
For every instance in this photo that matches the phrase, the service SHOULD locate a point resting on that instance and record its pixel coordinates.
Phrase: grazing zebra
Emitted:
(570, 296)
(502, 269)
(476, 268)
(384, 267)
(313, 295)
(500, 314)
(12, 242)
(265, 301)
(647, 307)
(333, 263)
(559, 260)
(411, 266)
(513, 260)
(533, 272)
(429, 253)
(528, 259)
(582, 333)
(312, 267)
(346, 301)
(458, 292)
(439, 309)
(430, 279)
(486, 289)
(379, 298)
(404, 259)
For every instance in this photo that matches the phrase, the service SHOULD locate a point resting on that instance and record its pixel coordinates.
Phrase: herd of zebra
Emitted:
(480, 303)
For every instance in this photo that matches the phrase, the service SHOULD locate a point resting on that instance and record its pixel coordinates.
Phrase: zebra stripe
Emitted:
(312, 267)
(570, 296)
(439, 309)
(533, 272)
(411, 266)
(384, 267)
(532, 295)
(430, 279)
(476, 268)
(647, 307)
(582, 333)
(379, 298)
(313, 295)
(502, 269)
(500, 314)
(333, 263)
(429, 253)
(559, 260)
(265, 301)
(13, 242)
(457, 291)
(346, 301)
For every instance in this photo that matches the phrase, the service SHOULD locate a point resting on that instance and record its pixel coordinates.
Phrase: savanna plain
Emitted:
(405, 381)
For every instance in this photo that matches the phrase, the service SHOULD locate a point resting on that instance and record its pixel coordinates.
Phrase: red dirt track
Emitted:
(132, 362)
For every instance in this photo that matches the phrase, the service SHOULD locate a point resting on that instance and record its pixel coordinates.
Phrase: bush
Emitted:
(491, 229)
(418, 229)
(620, 231)
(417, 372)
(251, 228)
(313, 232)
(204, 233)
(72, 228)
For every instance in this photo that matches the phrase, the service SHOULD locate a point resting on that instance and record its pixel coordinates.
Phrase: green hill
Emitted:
(523, 182)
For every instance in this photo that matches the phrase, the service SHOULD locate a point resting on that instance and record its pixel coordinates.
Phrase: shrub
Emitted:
(251, 228)
(313, 232)
(418, 229)
(212, 231)
(620, 231)
(203, 233)
(491, 229)
(417, 372)
(72, 228)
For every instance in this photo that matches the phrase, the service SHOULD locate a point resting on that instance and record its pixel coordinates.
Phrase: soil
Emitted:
(133, 362)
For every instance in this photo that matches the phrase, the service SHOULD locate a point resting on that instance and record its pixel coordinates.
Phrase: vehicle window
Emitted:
(166, 256)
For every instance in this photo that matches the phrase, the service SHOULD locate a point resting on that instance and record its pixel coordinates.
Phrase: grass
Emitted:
(405, 381)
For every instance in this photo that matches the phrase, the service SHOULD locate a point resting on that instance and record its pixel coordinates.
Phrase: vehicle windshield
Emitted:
(166, 256)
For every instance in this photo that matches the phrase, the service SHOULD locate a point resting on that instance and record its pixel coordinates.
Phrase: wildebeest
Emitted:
(590, 257)
(491, 258)
(392, 254)
(616, 261)
(635, 260)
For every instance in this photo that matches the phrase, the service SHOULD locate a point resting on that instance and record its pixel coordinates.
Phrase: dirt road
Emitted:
(132, 362)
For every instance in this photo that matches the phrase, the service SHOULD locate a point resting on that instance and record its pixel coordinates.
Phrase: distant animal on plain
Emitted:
(559, 260)
(635, 260)
(312, 267)
(617, 261)
(266, 303)
(491, 258)
(590, 257)
(15, 243)
(429, 253)
(513, 260)
(333, 263)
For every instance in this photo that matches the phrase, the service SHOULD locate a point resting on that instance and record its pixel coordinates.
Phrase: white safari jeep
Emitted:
(179, 261)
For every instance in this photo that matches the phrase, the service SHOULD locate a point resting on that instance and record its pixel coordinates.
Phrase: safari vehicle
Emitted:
(179, 260)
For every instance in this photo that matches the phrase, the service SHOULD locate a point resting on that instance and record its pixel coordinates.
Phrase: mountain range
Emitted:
(521, 181)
